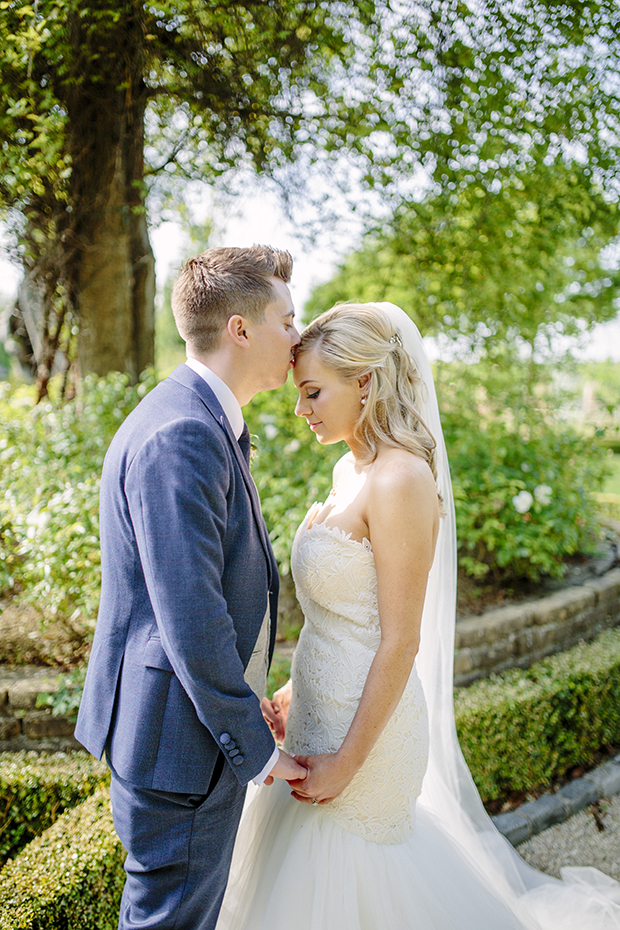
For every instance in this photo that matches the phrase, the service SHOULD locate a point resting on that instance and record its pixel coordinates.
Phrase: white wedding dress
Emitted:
(407, 845)
(373, 859)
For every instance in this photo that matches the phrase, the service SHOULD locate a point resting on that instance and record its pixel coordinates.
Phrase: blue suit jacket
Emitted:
(187, 569)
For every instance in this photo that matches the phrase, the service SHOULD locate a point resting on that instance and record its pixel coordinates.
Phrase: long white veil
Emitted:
(586, 899)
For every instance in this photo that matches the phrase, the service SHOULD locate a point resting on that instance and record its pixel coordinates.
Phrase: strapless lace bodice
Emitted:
(336, 586)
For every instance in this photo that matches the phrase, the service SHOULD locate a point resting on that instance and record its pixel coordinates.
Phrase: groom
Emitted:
(187, 619)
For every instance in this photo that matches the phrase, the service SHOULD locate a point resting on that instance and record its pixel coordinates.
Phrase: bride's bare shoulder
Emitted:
(397, 464)
(401, 475)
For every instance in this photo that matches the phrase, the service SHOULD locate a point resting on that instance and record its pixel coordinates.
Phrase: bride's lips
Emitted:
(314, 425)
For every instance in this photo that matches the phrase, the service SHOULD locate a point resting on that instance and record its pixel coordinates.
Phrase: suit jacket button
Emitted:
(233, 752)
(238, 760)
(225, 738)
(230, 745)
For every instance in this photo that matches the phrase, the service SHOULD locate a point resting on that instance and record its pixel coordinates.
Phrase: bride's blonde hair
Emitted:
(355, 340)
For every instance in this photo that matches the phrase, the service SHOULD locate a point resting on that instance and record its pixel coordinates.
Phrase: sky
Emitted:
(258, 217)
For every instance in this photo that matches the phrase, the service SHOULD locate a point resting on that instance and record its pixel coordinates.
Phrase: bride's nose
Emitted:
(302, 407)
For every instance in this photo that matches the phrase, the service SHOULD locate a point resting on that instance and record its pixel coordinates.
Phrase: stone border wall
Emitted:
(520, 634)
(22, 724)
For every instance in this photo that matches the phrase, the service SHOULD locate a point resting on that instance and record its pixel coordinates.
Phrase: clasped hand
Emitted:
(328, 776)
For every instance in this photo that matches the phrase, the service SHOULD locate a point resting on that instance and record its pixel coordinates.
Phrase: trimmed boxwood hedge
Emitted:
(35, 789)
(71, 877)
(522, 729)
(518, 730)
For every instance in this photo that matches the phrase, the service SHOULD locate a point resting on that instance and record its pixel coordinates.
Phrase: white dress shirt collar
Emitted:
(228, 402)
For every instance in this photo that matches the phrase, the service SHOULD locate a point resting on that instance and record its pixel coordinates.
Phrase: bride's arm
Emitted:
(402, 514)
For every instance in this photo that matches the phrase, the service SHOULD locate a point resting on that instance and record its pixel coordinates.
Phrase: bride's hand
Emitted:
(328, 776)
(275, 711)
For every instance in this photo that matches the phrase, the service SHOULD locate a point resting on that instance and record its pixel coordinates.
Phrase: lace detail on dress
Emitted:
(336, 586)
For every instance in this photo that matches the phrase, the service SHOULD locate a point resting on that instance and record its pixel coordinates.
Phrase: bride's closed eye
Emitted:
(314, 394)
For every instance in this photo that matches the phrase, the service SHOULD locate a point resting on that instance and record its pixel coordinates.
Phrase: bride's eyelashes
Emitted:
(314, 395)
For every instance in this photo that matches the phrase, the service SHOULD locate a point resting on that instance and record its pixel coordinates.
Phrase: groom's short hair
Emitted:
(222, 282)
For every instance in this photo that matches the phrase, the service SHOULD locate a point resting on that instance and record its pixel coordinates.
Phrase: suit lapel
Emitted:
(188, 377)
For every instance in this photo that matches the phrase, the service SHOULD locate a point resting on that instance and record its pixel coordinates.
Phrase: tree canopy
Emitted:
(488, 131)
(523, 264)
(511, 231)
(90, 89)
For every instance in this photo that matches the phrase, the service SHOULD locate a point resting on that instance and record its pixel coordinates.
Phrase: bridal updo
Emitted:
(359, 339)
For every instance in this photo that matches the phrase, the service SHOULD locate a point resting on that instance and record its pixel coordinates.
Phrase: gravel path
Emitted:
(579, 842)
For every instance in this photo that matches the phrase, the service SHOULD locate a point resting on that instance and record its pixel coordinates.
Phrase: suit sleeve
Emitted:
(176, 490)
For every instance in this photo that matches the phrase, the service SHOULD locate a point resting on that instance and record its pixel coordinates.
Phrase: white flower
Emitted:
(38, 521)
(293, 446)
(522, 501)
(271, 431)
(542, 493)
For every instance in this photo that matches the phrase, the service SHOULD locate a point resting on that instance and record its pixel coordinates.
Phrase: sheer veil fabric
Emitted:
(586, 899)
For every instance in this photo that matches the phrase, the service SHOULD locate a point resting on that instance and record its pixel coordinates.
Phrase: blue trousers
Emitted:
(179, 848)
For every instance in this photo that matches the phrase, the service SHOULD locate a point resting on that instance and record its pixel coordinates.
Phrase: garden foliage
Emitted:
(523, 477)
(50, 465)
(522, 481)
(291, 470)
(71, 876)
(522, 729)
(35, 790)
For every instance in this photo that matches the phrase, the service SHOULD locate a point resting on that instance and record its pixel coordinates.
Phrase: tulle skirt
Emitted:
(296, 869)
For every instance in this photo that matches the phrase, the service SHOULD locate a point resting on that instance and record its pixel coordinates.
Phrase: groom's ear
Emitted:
(237, 330)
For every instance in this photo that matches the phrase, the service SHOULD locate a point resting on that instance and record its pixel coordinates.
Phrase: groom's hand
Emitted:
(287, 768)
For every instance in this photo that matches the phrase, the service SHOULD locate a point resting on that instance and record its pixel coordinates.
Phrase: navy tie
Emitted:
(244, 442)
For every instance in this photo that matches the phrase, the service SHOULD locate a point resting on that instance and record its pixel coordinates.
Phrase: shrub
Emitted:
(279, 674)
(50, 463)
(65, 700)
(70, 877)
(522, 729)
(523, 484)
(36, 789)
(523, 480)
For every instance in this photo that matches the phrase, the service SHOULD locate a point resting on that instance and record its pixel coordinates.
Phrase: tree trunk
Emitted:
(115, 268)
(116, 272)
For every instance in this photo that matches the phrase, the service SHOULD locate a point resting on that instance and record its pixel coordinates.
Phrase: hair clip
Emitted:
(396, 340)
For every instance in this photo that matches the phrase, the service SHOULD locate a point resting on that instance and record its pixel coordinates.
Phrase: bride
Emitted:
(387, 830)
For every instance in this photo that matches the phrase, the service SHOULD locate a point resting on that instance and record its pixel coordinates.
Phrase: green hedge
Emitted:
(522, 729)
(36, 789)
(518, 730)
(71, 877)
